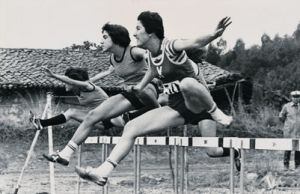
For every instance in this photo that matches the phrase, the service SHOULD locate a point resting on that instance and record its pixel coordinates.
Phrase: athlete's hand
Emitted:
(48, 72)
(211, 85)
(223, 24)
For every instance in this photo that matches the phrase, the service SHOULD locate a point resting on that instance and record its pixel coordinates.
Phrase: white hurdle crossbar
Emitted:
(226, 142)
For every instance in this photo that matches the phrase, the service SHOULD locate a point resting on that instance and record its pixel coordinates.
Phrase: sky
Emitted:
(56, 24)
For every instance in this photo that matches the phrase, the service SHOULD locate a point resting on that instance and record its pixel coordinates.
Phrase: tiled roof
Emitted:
(21, 68)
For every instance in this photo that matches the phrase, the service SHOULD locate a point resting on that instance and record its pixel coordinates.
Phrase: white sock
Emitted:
(219, 116)
(106, 168)
(213, 109)
(67, 152)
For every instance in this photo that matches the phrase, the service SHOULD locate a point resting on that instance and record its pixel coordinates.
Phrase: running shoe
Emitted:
(90, 175)
(35, 121)
(56, 159)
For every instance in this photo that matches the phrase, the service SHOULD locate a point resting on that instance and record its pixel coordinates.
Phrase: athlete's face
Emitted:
(106, 41)
(141, 35)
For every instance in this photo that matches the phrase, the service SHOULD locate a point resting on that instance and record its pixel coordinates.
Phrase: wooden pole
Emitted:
(50, 144)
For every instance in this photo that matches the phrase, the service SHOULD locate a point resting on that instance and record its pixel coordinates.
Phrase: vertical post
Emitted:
(50, 144)
(185, 162)
(79, 164)
(176, 167)
(231, 168)
(135, 168)
(242, 168)
(106, 154)
(138, 168)
(182, 164)
(103, 160)
(184, 177)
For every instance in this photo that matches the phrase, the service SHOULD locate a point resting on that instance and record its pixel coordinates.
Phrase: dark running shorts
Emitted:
(176, 102)
(107, 124)
(135, 101)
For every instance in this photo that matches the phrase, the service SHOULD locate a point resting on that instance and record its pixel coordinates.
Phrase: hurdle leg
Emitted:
(186, 170)
(242, 169)
(185, 164)
(182, 163)
(138, 168)
(105, 156)
(176, 169)
(103, 160)
(135, 168)
(50, 143)
(79, 164)
(231, 168)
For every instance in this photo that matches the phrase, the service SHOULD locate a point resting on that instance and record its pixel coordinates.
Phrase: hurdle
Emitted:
(46, 112)
(274, 144)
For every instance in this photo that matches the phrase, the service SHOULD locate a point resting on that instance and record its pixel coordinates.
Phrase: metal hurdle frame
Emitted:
(276, 144)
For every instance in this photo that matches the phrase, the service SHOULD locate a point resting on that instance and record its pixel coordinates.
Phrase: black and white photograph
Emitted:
(149, 97)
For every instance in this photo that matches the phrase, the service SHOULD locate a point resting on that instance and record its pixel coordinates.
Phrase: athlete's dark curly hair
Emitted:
(77, 73)
(152, 23)
(119, 34)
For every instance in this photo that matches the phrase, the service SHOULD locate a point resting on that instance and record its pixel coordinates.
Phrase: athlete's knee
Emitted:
(187, 84)
(191, 85)
(92, 117)
(70, 111)
(129, 130)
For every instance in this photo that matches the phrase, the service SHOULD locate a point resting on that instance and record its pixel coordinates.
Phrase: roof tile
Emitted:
(23, 67)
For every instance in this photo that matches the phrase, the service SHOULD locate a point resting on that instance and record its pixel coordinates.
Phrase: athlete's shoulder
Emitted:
(137, 53)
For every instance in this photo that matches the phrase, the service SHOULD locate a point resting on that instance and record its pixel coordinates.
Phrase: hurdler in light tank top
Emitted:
(129, 69)
(92, 98)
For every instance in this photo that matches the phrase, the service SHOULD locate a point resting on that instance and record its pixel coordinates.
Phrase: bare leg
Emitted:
(71, 113)
(76, 114)
(197, 99)
(149, 96)
(208, 128)
(152, 121)
(110, 108)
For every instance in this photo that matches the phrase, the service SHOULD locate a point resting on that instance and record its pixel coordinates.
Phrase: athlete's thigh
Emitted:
(79, 114)
(113, 107)
(148, 95)
(154, 120)
(208, 128)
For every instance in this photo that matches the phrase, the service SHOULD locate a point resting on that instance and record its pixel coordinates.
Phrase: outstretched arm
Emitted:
(68, 80)
(102, 74)
(199, 42)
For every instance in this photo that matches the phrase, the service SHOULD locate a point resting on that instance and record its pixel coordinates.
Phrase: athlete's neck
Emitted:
(154, 46)
(118, 52)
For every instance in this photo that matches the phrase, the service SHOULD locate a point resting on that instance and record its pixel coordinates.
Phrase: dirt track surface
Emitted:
(264, 173)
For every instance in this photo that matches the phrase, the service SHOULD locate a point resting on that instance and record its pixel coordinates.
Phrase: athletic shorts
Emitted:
(135, 101)
(176, 102)
(107, 124)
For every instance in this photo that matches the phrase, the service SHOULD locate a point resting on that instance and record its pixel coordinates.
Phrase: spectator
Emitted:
(290, 115)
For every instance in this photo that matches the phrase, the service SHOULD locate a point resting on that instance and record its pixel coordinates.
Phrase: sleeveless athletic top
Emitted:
(131, 70)
(92, 98)
(171, 66)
